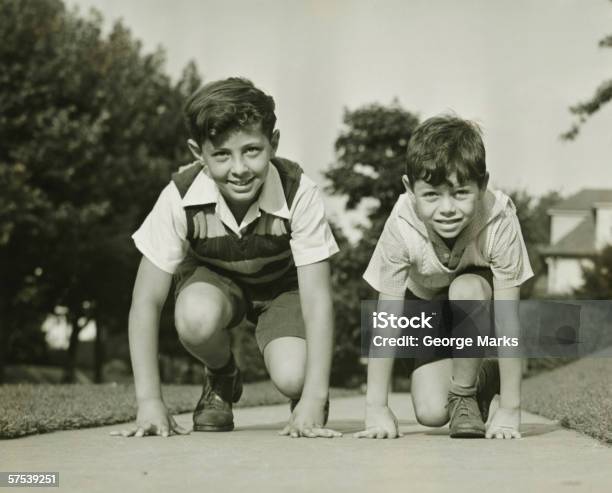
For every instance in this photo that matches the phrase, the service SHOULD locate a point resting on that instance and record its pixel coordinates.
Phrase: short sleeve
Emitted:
(509, 259)
(162, 236)
(311, 236)
(389, 266)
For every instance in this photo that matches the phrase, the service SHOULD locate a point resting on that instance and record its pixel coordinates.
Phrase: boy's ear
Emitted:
(406, 183)
(485, 182)
(274, 141)
(408, 188)
(195, 149)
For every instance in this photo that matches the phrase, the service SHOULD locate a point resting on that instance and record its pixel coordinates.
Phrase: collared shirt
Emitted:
(408, 256)
(162, 237)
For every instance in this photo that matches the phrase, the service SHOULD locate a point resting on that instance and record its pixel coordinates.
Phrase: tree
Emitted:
(90, 130)
(369, 163)
(601, 97)
(533, 217)
(597, 278)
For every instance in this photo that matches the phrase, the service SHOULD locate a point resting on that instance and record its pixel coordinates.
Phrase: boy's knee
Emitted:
(431, 414)
(197, 322)
(469, 287)
(285, 359)
(289, 379)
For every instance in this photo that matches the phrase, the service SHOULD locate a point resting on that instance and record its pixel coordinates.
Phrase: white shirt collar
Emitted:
(202, 191)
(272, 197)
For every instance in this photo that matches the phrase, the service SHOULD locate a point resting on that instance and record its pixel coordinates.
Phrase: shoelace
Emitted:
(213, 393)
(212, 399)
(459, 404)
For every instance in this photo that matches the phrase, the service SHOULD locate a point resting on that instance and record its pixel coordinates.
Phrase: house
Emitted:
(580, 226)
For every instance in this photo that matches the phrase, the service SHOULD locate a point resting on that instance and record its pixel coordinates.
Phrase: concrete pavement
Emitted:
(254, 458)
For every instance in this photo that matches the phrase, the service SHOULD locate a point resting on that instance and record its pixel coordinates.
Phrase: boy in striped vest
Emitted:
(243, 233)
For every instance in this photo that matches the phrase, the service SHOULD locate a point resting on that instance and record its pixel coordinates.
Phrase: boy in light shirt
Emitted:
(449, 236)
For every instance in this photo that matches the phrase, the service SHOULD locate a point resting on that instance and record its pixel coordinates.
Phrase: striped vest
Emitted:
(262, 255)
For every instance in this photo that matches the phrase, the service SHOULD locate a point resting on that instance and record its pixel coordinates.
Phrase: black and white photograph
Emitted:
(306, 245)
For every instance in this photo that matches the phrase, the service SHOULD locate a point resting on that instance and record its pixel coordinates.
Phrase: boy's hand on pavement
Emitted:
(380, 422)
(505, 424)
(152, 419)
(307, 421)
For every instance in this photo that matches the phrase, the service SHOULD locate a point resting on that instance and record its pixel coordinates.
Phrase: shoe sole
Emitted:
(213, 428)
(468, 434)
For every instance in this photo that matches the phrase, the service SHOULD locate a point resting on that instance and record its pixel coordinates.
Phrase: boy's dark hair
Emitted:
(443, 145)
(226, 105)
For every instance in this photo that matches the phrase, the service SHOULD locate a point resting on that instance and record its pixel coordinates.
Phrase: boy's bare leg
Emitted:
(468, 287)
(465, 373)
(432, 382)
(202, 315)
(285, 359)
(429, 387)
(465, 416)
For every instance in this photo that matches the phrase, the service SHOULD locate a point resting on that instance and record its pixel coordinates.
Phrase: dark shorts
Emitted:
(278, 314)
(447, 319)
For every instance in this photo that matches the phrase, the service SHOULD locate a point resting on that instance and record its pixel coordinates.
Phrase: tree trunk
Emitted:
(99, 352)
(3, 344)
(6, 327)
(70, 365)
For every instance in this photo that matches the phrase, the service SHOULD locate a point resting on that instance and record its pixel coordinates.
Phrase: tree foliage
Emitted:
(370, 162)
(601, 97)
(533, 217)
(90, 128)
(597, 278)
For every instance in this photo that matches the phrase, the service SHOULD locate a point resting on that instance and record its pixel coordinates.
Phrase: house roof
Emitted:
(584, 199)
(579, 242)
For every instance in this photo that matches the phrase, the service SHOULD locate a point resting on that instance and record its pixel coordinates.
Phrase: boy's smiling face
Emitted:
(448, 208)
(238, 164)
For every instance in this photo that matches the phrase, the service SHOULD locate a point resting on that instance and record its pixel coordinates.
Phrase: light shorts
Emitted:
(275, 309)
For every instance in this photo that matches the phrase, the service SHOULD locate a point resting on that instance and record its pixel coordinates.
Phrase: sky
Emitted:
(514, 67)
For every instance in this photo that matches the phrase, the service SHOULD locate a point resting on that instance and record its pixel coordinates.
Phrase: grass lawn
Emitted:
(29, 409)
(578, 395)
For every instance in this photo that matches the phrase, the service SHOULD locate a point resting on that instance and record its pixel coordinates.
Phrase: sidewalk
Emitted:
(253, 458)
